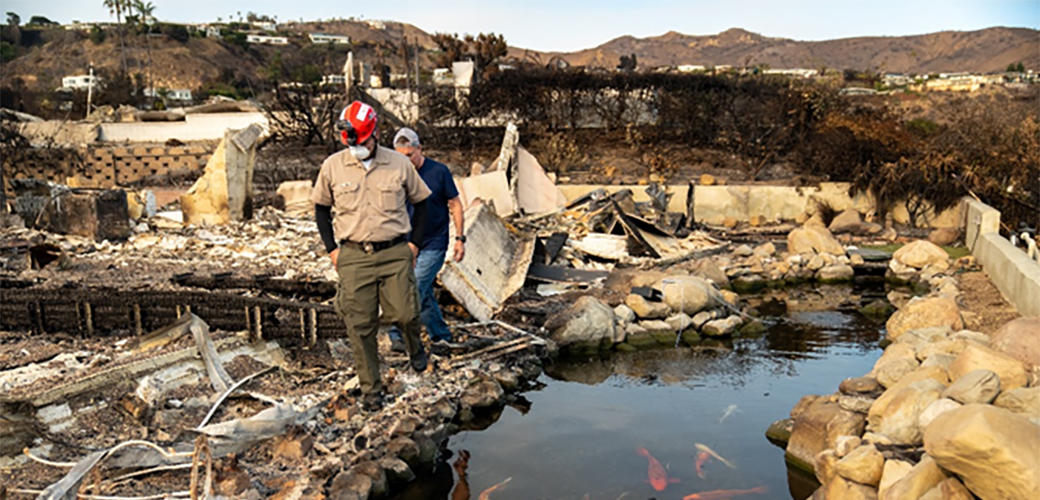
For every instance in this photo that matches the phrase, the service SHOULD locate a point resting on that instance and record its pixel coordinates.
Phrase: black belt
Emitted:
(370, 247)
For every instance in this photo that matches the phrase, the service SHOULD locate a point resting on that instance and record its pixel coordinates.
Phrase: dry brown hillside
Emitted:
(197, 61)
(982, 51)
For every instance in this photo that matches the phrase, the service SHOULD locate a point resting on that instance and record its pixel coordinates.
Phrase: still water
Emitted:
(576, 435)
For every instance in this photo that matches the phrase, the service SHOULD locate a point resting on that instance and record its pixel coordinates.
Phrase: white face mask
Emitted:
(360, 152)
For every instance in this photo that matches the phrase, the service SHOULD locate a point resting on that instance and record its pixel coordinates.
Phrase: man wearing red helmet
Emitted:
(367, 239)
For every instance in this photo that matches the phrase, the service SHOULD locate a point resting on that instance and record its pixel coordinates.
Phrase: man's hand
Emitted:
(334, 255)
(460, 250)
(415, 252)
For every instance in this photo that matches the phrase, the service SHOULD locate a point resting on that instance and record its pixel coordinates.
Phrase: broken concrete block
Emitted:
(535, 192)
(491, 189)
(495, 266)
(225, 191)
(96, 214)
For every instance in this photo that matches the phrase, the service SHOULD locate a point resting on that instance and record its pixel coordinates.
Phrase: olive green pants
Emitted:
(367, 281)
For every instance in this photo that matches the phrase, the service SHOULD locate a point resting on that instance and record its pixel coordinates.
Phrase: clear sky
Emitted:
(569, 25)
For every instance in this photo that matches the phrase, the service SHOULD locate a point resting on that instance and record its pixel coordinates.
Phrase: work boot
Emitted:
(440, 348)
(418, 360)
(371, 403)
(397, 345)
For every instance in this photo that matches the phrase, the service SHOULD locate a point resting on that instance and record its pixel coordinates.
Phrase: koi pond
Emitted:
(700, 413)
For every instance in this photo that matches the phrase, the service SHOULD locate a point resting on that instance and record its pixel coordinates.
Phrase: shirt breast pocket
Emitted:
(346, 196)
(391, 196)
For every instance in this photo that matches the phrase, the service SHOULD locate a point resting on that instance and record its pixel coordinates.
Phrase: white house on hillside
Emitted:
(79, 82)
(270, 40)
(323, 38)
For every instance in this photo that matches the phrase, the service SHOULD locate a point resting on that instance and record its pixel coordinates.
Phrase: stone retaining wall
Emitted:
(1014, 274)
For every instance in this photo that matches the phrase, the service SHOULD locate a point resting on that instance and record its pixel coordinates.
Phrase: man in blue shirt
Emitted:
(434, 247)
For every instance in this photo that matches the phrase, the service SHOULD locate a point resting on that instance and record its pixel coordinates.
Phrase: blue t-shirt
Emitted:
(442, 188)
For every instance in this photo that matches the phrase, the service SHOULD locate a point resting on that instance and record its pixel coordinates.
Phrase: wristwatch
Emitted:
(461, 238)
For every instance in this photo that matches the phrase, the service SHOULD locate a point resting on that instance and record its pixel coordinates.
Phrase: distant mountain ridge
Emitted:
(983, 51)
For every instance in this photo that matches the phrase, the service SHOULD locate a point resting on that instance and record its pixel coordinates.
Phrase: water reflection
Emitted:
(577, 436)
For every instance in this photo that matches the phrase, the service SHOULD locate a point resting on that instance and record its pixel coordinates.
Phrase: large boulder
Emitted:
(895, 413)
(1011, 371)
(813, 239)
(818, 427)
(976, 386)
(920, 254)
(921, 478)
(995, 452)
(588, 324)
(1019, 339)
(687, 294)
(944, 236)
(482, 392)
(923, 313)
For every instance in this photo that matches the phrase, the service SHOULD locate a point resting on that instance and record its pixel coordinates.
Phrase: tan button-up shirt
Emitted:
(369, 204)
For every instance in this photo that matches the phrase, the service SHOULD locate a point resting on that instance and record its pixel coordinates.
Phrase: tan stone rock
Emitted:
(848, 221)
(940, 406)
(944, 236)
(1019, 339)
(976, 386)
(813, 239)
(818, 428)
(1011, 371)
(950, 347)
(859, 385)
(949, 489)
(889, 373)
(893, 471)
(995, 452)
(920, 254)
(845, 444)
(921, 478)
(757, 221)
(687, 294)
(939, 359)
(729, 222)
(826, 466)
(1024, 401)
(896, 351)
(646, 309)
(863, 465)
(856, 260)
(848, 490)
(923, 313)
(803, 404)
(707, 180)
(895, 413)
(921, 337)
(801, 218)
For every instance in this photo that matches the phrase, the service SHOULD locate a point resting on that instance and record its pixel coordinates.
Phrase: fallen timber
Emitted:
(106, 311)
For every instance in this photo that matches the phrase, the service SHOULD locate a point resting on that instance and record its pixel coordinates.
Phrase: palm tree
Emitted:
(145, 11)
(116, 8)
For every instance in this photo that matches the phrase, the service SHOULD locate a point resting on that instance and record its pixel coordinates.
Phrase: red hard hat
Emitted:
(356, 123)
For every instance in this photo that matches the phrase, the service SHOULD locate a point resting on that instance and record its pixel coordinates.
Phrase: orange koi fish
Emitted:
(724, 494)
(486, 494)
(702, 458)
(656, 475)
